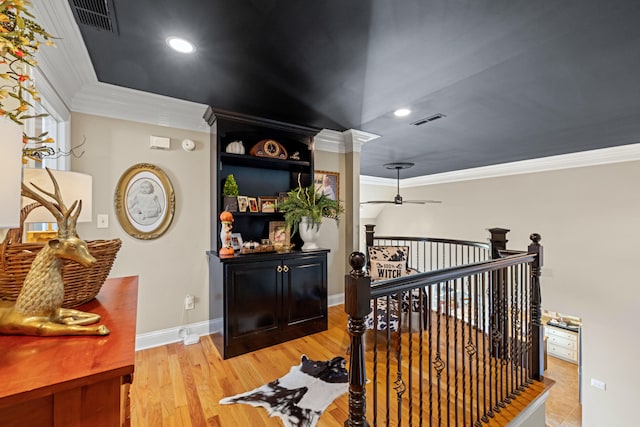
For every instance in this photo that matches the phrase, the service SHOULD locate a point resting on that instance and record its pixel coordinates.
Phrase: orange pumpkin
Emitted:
(226, 216)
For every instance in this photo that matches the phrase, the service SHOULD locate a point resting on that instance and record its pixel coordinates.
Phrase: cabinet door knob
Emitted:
(279, 269)
(286, 268)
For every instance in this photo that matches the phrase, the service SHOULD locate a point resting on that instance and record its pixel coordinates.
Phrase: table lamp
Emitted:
(73, 186)
(10, 173)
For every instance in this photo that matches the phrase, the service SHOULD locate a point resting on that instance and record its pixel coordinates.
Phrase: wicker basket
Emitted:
(81, 284)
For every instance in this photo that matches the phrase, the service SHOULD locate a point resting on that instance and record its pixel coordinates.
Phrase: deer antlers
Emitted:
(66, 218)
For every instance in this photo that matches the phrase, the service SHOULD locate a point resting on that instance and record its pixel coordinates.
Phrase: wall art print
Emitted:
(144, 201)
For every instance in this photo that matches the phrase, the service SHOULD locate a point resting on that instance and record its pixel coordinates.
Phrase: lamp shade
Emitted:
(73, 186)
(10, 173)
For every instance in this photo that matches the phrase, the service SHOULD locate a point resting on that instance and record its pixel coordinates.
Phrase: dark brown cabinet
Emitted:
(271, 298)
(263, 298)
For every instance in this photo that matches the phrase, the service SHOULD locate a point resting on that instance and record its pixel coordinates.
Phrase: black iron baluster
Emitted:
(422, 328)
(398, 383)
(476, 317)
(375, 362)
(486, 335)
(388, 361)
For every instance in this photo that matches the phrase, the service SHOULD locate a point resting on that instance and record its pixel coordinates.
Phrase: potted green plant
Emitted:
(304, 209)
(230, 193)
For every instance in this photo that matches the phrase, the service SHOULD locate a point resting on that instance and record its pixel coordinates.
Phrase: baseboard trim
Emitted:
(336, 299)
(171, 335)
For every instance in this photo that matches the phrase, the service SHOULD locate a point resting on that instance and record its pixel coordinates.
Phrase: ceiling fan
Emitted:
(398, 199)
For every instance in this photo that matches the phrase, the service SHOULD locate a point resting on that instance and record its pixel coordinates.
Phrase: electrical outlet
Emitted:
(189, 302)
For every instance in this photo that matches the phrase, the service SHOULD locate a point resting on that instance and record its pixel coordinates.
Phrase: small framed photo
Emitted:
(243, 203)
(253, 204)
(236, 241)
(268, 204)
(279, 233)
(282, 196)
(327, 183)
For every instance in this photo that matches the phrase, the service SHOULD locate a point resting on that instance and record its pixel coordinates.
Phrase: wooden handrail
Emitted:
(436, 240)
(406, 283)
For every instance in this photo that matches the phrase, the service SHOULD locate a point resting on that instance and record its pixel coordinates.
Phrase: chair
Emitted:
(388, 262)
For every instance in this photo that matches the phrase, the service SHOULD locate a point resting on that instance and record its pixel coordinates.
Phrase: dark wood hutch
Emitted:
(263, 298)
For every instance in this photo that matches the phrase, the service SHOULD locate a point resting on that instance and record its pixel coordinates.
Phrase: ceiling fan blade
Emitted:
(422, 202)
(377, 201)
(398, 201)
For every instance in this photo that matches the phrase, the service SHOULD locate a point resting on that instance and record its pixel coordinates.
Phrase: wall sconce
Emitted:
(10, 173)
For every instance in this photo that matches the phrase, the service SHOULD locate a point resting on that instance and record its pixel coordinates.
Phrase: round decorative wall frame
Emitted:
(144, 201)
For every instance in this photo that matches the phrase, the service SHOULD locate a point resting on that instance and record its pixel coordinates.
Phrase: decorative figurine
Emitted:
(38, 309)
(226, 218)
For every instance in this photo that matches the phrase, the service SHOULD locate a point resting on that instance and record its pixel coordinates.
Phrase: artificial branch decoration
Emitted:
(20, 39)
(40, 153)
(308, 202)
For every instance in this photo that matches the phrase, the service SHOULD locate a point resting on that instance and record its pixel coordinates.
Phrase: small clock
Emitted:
(269, 148)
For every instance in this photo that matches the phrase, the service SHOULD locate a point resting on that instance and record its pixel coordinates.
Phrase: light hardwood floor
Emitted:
(177, 385)
(563, 405)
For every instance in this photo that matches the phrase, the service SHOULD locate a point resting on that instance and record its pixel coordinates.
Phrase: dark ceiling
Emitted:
(516, 79)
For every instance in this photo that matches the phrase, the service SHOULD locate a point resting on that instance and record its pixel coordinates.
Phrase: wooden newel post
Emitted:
(498, 241)
(368, 234)
(357, 293)
(537, 336)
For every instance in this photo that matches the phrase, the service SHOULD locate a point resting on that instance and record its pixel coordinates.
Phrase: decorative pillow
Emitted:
(388, 262)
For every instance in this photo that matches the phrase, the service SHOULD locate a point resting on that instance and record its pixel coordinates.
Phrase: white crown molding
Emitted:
(602, 156)
(355, 139)
(107, 100)
(351, 140)
(329, 140)
(375, 180)
(69, 83)
(68, 65)
(51, 99)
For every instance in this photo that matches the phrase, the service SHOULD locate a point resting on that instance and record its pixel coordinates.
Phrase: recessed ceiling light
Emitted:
(181, 45)
(401, 112)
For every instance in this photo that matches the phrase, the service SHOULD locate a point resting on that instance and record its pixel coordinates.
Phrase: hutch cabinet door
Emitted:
(253, 300)
(305, 289)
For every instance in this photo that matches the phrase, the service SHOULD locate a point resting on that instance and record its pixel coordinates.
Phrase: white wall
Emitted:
(589, 219)
(333, 236)
(174, 264)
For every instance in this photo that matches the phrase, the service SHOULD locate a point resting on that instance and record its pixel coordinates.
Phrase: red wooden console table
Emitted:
(77, 380)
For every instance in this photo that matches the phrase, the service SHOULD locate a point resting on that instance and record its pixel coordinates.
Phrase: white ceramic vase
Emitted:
(309, 232)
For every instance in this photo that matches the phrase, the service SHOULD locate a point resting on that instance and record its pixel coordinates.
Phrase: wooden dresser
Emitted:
(73, 380)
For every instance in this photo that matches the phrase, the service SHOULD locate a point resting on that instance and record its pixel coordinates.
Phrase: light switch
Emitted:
(598, 384)
(103, 221)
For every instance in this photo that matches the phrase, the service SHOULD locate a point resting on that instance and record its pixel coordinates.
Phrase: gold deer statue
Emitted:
(38, 309)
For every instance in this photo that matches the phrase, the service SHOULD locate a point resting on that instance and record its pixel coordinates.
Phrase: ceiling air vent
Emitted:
(98, 14)
(428, 119)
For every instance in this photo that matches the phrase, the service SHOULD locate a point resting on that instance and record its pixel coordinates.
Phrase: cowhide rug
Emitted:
(300, 397)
